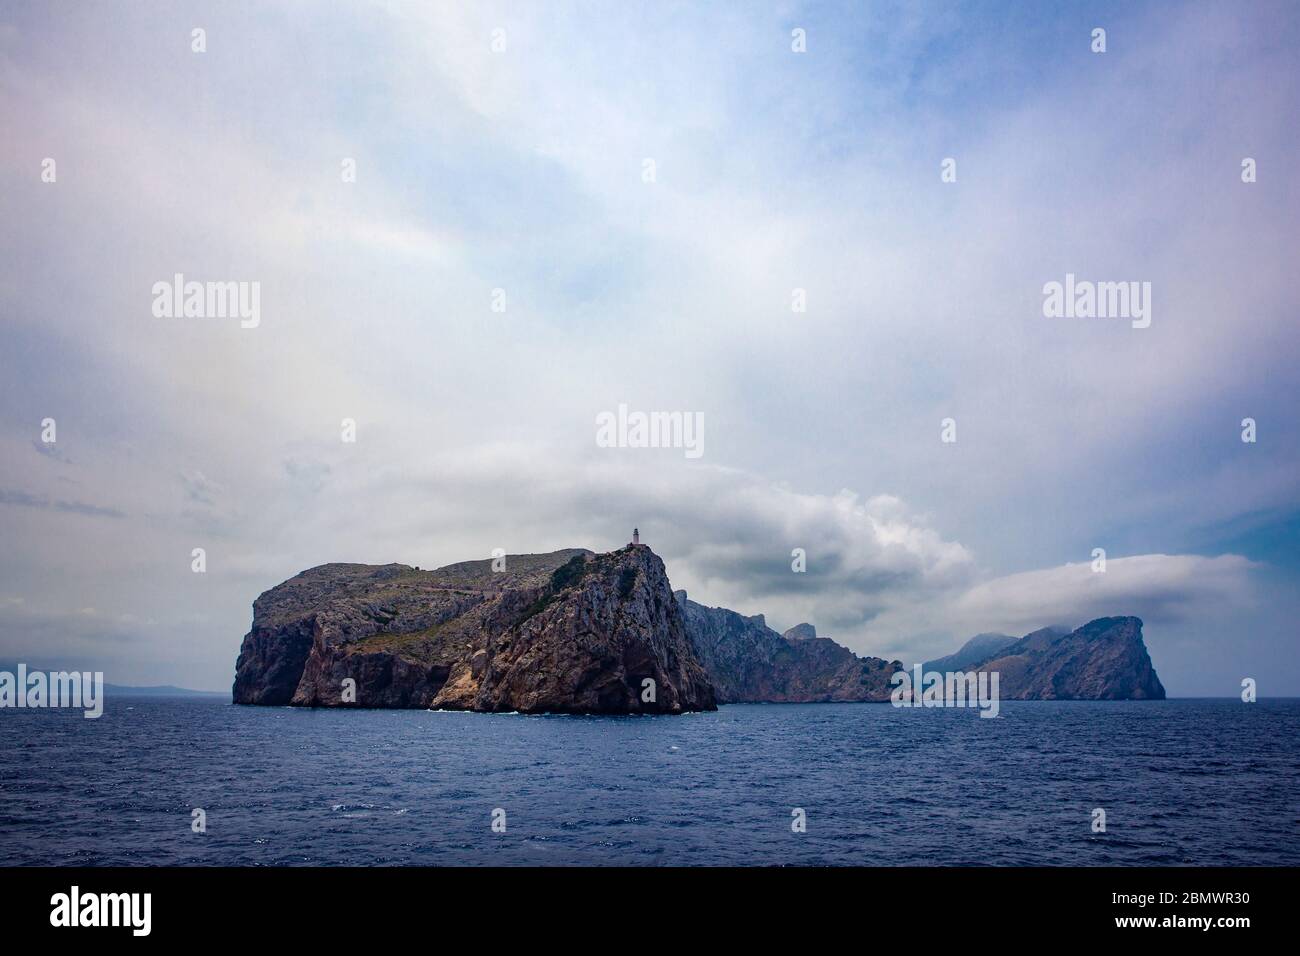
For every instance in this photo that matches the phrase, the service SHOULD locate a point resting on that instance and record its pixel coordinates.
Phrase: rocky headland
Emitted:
(1105, 659)
(566, 632)
(577, 632)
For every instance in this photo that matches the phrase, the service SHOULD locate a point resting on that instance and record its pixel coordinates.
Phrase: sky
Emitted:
(560, 209)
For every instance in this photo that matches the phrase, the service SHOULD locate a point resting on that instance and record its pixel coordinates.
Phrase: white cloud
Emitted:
(1162, 589)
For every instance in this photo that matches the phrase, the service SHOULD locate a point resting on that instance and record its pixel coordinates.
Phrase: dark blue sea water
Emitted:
(1182, 782)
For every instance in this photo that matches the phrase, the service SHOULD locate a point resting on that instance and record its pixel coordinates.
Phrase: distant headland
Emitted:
(577, 632)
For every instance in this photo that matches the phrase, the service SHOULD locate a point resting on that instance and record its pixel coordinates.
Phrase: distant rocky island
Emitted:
(1106, 659)
(577, 632)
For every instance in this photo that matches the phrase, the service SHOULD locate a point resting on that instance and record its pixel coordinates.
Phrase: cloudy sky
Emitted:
(523, 169)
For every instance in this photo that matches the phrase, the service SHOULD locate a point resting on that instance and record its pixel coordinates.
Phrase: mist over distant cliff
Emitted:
(1105, 659)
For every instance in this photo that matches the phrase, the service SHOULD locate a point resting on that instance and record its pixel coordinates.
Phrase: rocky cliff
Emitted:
(577, 632)
(566, 632)
(748, 661)
(1106, 659)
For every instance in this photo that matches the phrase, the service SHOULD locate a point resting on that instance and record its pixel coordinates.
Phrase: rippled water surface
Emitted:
(1182, 782)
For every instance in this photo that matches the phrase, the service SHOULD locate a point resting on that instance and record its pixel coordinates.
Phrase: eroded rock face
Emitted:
(304, 629)
(567, 632)
(1106, 659)
(750, 662)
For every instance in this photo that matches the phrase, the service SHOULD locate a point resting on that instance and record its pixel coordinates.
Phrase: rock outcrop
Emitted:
(801, 632)
(566, 632)
(1106, 659)
(750, 662)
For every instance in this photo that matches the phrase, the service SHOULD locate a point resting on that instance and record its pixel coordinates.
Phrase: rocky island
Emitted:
(1106, 659)
(573, 631)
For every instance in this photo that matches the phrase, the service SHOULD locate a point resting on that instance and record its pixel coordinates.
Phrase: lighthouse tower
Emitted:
(636, 536)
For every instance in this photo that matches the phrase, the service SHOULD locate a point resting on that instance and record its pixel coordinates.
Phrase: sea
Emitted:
(1180, 782)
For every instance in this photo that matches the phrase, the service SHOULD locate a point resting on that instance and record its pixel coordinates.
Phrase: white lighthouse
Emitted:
(636, 536)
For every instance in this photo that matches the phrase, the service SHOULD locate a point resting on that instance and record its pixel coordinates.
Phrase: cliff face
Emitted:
(1106, 659)
(748, 661)
(567, 632)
